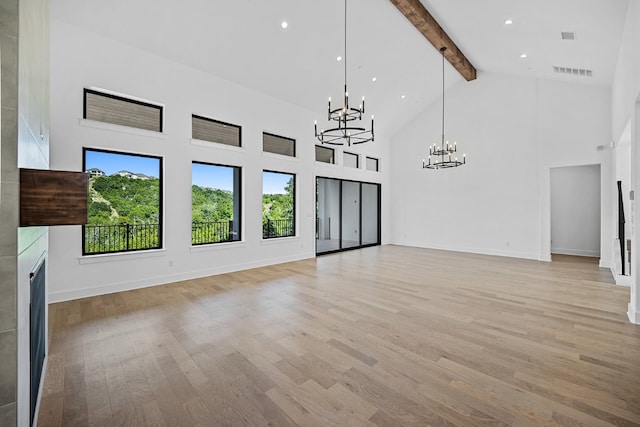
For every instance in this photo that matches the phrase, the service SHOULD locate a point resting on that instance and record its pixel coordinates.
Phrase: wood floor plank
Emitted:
(383, 336)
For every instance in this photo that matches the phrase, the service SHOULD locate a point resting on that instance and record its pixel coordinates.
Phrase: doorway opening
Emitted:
(575, 212)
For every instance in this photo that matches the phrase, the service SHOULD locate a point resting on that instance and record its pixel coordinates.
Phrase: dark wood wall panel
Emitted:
(50, 197)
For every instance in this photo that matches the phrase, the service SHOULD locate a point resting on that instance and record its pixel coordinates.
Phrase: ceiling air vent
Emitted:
(573, 71)
(568, 35)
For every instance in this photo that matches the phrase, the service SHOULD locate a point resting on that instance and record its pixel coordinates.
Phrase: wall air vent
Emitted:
(568, 35)
(573, 71)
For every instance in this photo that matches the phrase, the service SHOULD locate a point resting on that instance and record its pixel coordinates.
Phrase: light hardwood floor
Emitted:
(381, 336)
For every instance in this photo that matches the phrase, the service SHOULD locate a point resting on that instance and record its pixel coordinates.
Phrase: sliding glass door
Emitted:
(370, 214)
(327, 215)
(347, 215)
(350, 214)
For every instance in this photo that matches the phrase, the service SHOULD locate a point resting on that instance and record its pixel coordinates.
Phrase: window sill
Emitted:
(276, 240)
(122, 129)
(279, 156)
(121, 256)
(209, 247)
(217, 145)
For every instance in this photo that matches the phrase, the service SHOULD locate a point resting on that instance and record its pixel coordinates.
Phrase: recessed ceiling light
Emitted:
(524, 55)
(284, 25)
(373, 79)
(508, 22)
(339, 58)
(403, 96)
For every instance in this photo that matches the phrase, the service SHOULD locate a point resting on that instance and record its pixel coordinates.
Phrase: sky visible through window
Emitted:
(212, 176)
(274, 183)
(208, 176)
(111, 163)
(221, 177)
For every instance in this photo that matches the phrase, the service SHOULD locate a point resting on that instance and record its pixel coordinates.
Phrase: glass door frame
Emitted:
(379, 215)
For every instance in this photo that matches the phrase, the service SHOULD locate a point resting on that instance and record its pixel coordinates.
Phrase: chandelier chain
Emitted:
(443, 154)
(345, 44)
(349, 129)
(443, 98)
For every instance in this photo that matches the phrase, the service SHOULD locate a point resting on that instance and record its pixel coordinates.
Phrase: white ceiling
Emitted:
(242, 41)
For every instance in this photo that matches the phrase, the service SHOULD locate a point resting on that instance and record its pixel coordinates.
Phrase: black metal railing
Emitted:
(621, 222)
(277, 228)
(212, 232)
(100, 239)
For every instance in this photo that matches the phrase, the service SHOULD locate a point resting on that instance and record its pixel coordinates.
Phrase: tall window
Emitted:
(215, 203)
(278, 204)
(125, 202)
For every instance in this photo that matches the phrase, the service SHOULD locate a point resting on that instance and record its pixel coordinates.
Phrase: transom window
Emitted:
(351, 160)
(278, 144)
(216, 131)
(324, 154)
(119, 110)
(373, 164)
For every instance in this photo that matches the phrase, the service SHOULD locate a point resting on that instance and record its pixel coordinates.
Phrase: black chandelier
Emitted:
(345, 132)
(442, 153)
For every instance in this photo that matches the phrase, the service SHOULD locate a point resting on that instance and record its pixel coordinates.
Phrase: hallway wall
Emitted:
(513, 130)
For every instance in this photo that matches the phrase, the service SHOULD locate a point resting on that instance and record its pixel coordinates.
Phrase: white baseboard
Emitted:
(633, 314)
(480, 251)
(620, 279)
(165, 279)
(604, 263)
(575, 252)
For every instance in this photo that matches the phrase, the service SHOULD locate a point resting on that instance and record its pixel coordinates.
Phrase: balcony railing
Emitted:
(101, 239)
(212, 232)
(277, 228)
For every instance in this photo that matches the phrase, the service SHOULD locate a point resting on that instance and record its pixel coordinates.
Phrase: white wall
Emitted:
(81, 59)
(575, 210)
(626, 81)
(575, 125)
(625, 110)
(513, 130)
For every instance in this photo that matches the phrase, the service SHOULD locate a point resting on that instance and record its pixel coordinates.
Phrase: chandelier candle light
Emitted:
(345, 132)
(442, 153)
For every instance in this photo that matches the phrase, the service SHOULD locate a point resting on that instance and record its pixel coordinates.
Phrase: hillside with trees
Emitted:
(118, 199)
(278, 206)
(211, 205)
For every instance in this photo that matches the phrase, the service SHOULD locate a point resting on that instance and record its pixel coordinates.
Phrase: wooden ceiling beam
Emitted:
(426, 24)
